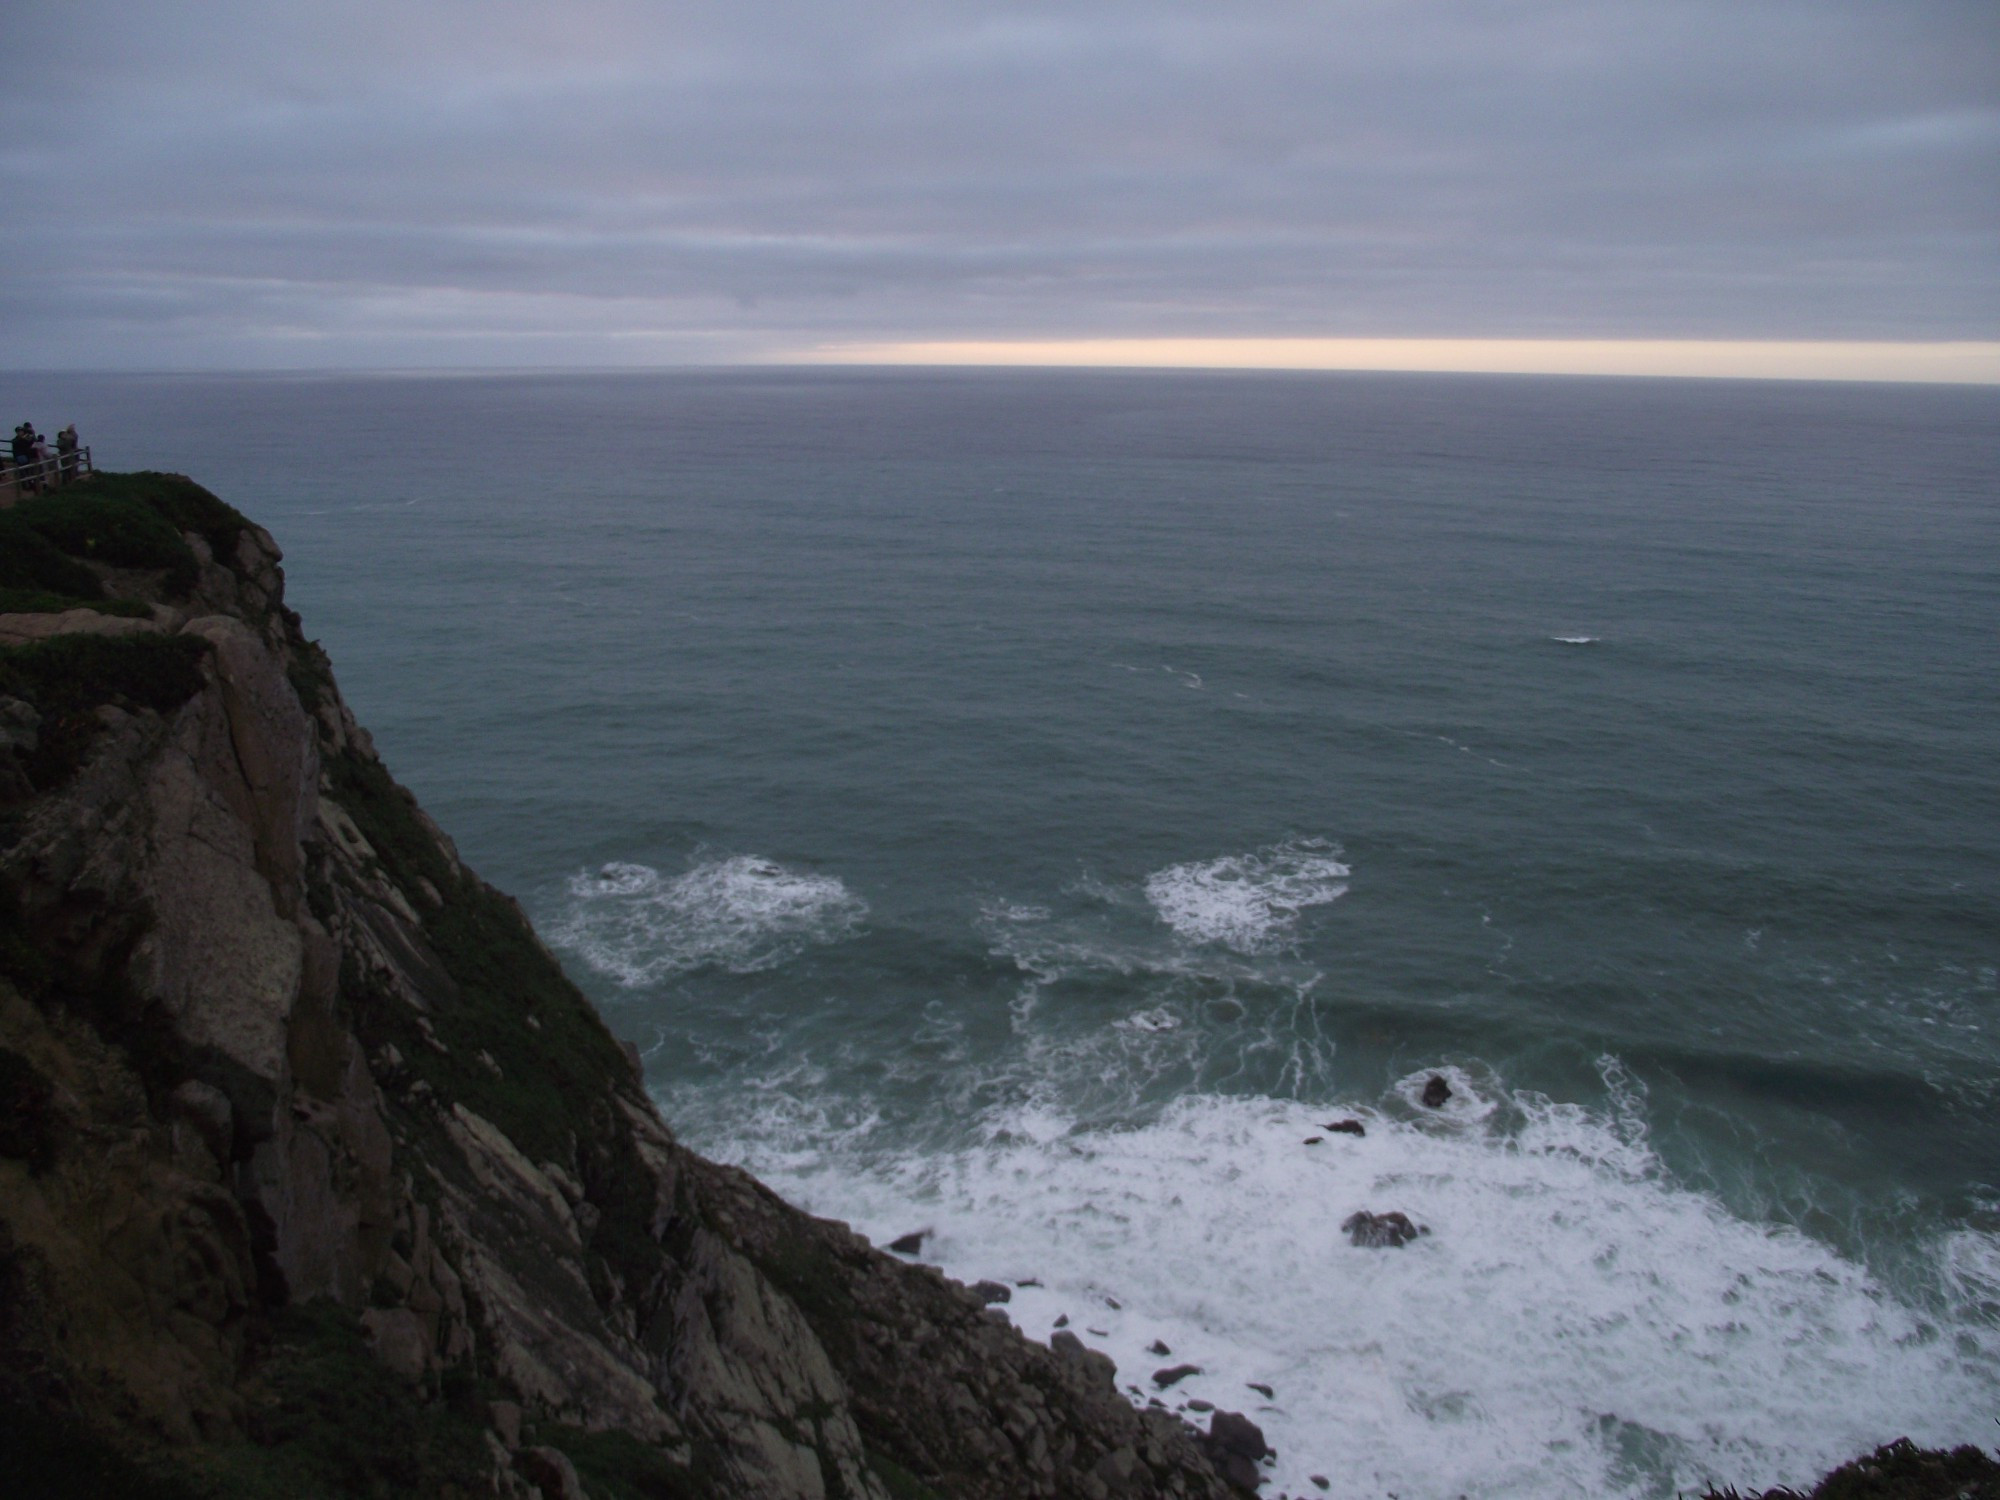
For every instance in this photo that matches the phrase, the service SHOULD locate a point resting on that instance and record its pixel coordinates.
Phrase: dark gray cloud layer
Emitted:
(447, 181)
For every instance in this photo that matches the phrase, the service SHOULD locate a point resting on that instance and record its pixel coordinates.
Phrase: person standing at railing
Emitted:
(66, 452)
(24, 455)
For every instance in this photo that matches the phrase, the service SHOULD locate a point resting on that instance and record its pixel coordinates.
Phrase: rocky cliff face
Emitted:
(318, 1177)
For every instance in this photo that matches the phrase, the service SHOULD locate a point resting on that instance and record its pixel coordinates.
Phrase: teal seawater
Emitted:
(973, 789)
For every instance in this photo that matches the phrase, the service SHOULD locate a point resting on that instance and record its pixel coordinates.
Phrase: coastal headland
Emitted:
(319, 1177)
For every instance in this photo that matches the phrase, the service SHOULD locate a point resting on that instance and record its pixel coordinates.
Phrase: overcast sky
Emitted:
(433, 182)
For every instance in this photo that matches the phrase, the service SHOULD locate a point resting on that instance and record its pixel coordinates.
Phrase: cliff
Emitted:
(318, 1177)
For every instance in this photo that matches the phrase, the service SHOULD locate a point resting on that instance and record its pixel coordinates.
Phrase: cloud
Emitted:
(272, 182)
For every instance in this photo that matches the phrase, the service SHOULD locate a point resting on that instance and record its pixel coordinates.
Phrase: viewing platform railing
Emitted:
(37, 476)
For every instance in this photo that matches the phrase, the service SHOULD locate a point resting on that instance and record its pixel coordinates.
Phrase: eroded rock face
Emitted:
(302, 1088)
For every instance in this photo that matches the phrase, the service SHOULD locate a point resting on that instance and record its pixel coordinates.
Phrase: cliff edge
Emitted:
(318, 1177)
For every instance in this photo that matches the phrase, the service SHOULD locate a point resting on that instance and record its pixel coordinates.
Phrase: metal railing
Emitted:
(37, 476)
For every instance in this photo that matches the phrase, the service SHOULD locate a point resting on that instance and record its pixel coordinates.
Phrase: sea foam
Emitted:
(1248, 902)
(740, 913)
(1575, 1324)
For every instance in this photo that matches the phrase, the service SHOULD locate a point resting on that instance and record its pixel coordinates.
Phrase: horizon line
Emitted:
(1957, 362)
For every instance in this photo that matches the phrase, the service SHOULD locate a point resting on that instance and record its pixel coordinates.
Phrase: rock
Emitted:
(1097, 1366)
(1261, 1389)
(21, 630)
(1174, 1375)
(1197, 1404)
(1346, 1127)
(1233, 1432)
(1158, 1346)
(399, 1340)
(1436, 1091)
(1062, 1322)
(1312, 1140)
(1234, 1445)
(990, 1292)
(1321, 1480)
(551, 1472)
(1390, 1231)
(1114, 1304)
(1027, 1281)
(328, 1125)
(205, 1109)
(20, 725)
(505, 1416)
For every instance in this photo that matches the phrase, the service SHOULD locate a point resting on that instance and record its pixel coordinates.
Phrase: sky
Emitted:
(440, 183)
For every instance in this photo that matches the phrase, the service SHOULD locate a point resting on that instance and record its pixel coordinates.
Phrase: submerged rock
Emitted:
(1346, 1127)
(1436, 1092)
(1390, 1231)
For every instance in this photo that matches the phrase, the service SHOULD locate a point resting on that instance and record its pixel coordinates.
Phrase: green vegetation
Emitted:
(617, 1466)
(899, 1481)
(185, 505)
(90, 522)
(552, 1075)
(556, 1079)
(41, 602)
(51, 1456)
(70, 676)
(326, 1418)
(123, 520)
(30, 562)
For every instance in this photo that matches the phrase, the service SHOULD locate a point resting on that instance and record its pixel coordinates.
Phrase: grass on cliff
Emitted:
(42, 602)
(71, 676)
(617, 1466)
(325, 1418)
(123, 520)
(31, 563)
(556, 1069)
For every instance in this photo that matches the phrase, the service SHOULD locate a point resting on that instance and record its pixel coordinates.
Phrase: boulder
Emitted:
(551, 1472)
(1234, 1445)
(1436, 1091)
(1174, 1375)
(1390, 1231)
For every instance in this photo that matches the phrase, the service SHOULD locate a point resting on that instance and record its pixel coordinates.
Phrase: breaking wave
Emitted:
(742, 914)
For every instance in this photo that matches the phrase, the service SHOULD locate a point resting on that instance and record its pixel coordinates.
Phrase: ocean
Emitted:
(1030, 807)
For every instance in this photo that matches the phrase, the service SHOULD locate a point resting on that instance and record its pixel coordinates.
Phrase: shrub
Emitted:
(98, 523)
(30, 561)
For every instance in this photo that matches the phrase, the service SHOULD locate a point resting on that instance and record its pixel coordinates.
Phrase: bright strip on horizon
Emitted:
(1967, 362)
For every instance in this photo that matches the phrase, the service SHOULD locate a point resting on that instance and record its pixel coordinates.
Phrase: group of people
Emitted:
(34, 467)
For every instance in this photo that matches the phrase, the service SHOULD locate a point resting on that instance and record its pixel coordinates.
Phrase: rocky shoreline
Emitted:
(318, 1177)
